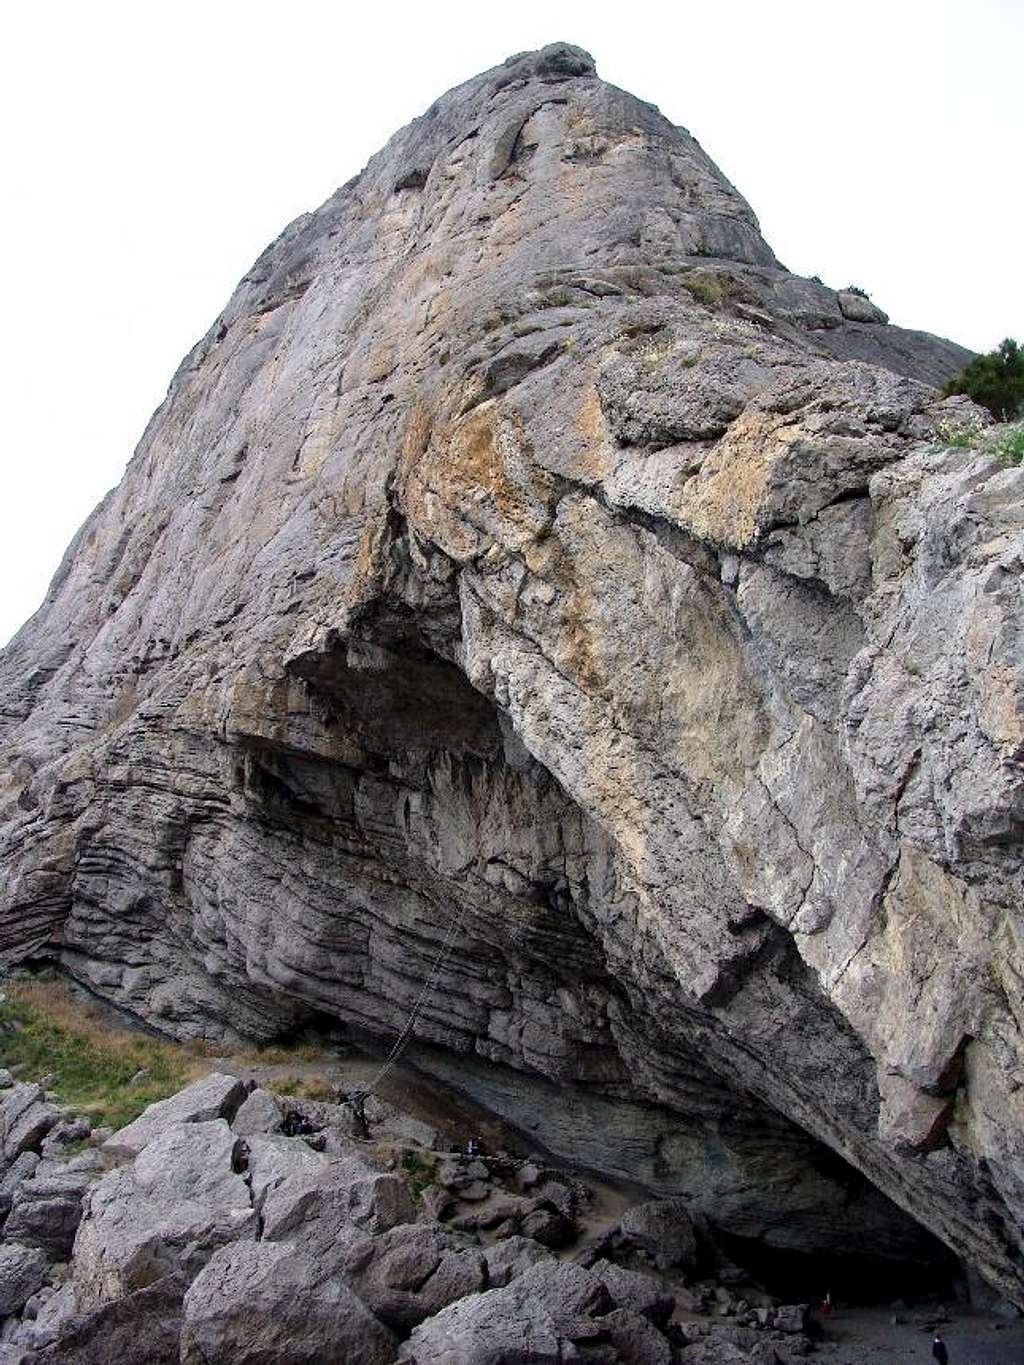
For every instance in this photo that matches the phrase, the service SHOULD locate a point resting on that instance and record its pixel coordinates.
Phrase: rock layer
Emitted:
(525, 549)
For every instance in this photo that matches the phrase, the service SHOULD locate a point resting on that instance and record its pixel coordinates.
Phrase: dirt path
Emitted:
(867, 1335)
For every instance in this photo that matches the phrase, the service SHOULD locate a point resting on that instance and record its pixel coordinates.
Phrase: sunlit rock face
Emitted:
(524, 544)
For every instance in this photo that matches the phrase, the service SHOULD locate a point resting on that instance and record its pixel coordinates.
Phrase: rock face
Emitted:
(523, 543)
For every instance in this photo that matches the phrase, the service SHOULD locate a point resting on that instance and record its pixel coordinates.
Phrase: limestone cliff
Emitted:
(525, 543)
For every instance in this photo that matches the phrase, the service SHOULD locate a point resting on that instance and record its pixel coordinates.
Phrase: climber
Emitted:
(939, 1350)
(357, 1101)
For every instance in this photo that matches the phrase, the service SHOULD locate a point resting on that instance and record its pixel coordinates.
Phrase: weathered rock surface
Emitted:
(538, 1317)
(212, 1097)
(524, 541)
(22, 1272)
(261, 1302)
(165, 1214)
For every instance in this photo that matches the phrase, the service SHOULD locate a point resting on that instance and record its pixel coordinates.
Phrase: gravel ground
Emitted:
(858, 1335)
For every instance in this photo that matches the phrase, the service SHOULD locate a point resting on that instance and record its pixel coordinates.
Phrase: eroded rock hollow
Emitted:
(525, 550)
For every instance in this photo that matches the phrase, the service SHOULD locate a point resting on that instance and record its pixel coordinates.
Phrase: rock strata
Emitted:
(525, 560)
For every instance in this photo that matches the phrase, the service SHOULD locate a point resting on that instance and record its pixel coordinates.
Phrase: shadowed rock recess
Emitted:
(524, 542)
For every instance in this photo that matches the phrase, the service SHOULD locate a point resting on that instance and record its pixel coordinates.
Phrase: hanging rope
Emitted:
(405, 1037)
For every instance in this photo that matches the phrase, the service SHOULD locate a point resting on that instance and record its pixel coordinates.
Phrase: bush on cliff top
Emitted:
(995, 380)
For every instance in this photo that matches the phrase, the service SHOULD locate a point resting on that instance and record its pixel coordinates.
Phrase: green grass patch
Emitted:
(46, 1031)
(418, 1171)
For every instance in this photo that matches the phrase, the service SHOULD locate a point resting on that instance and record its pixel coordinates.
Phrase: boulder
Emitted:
(143, 1328)
(663, 1228)
(792, 1318)
(634, 1339)
(20, 1169)
(26, 1117)
(65, 1134)
(260, 1112)
(549, 1227)
(320, 1208)
(166, 1213)
(437, 1202)
(47, 1208)
(273, 1159)
(212, 1097)
(539, 1317)
(22, 1273)
(859, 308)
(261, 1302)
(510, 1258)
(414, 1272)
(636, 1291)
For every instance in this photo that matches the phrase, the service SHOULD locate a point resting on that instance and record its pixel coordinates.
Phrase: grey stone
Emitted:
(437, 1202)
(19, 1170)
(791, 1318)
(213, 1096)
(329, 1209)
(47, 1208)
(22, 1271)
(510, 1258)
(65, 1134)
(858, 308)
(259, 1112)
(164, 1214)
(25, 1119)
(410, 1273)
(636, 1291)
(260, 1302)
(538, 1317)
(273, 1158)
(142, 1328)
(664, 1228)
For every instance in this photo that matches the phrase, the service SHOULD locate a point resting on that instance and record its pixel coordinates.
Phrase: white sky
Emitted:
(152, 149)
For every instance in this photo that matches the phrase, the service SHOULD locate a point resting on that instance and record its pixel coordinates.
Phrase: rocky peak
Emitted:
(526, 561)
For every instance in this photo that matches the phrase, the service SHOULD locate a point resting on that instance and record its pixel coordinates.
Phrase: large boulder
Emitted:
(272, 1159)
(540, 1317)
(512, 1257)
(163, 1214)
(324, 1208)
(47, 1208)
(22, 1272)
(636, 1291)
(412, 1272)
(664, 1229)
(142, 1328)
(267, 1302)
(260, 1112)
(212, 1097)
(17, 1171)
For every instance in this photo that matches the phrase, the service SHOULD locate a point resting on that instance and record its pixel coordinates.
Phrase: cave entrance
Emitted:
(855, 1278)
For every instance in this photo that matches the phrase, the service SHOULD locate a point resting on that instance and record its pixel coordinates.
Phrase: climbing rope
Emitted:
(405, 1037)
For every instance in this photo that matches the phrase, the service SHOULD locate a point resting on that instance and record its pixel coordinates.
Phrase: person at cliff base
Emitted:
(939, 1350)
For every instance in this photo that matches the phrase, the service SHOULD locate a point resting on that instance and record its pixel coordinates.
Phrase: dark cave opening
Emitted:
(401, 704)
(851, 1278)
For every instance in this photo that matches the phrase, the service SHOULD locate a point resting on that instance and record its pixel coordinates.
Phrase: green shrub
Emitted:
(995, 380)
(1007, 446)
